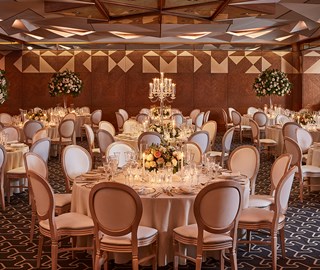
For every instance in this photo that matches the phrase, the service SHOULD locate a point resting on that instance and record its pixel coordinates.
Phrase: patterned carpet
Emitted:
(302, 233)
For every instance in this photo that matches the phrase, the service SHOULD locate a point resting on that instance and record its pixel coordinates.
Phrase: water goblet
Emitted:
(113, 163)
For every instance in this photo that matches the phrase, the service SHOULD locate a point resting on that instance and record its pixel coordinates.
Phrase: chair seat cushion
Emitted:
(62, 199)
(268, 141)
(18, 170)
(191, 231)
(257, 215)
(260, 201)
(70, 221)
(310, 169)
(96, 150)
(143, 233)
(63, 140)
(216, 154)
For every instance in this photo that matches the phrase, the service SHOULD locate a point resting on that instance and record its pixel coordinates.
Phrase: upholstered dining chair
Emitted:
(66, 135)
(255, 219)
(237, 124)
(5, 119)
(201, 138)
(227, 124)
(12, 133)
(246, 160)
(108, 127)
(195, 149)
(116, 211)
(29, 129)
(262, 120)
(56, 228)
(104, 140)
(304, 171)
(41, 148)
(230, 110)
(142, 117)
(216, 208)
(206, 116)
(3, 162)
(95, 119)
(72, 116)
(193, 115)
(226, 146)
(305, 140)
(120, 121)
(131, 125)
(93, 150)
(289, 129)
(121, 148)
(124, 114)
(281, 119)
(147, 138)
(252, 110)
(279, 167)
(199, 121)
(76, 160)
(177, 118)
(34, 162)
(211, 127)
(40, 134)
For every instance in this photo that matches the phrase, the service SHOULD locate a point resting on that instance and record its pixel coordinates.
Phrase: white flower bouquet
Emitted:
(3, 87)
(65, 83)
(272, 82)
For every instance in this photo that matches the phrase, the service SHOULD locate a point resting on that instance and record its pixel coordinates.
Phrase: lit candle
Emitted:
(143, 161)
(150, 89)
(161, 73)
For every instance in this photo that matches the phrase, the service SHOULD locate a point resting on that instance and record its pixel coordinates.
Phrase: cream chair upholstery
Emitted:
(211, 128)
(195, 149)
(305, 140)
(124, 114)
(5, 119)
(29, 129)
(255, 219)
(40, 134)
(147, 138)
(120, 121)
(72, 116)
(201, 138)
(226, 146)
(206, 116)
(142, 117)
(193, 115)
(66, 135)
(56, 228)
(121, 148)
(289, 129)
(76, 160)
(237, 124)
(199, 121)
(145, 110)
(3, 162)
(116, 211)
(227, 124)
(131, 125)
(34, 162)
(216, 208)
(252, 110)
(177, 118)
(104, 140)
(108, 127)
(281, 119)
(230, 110)
(12, 133)
(279, 167)
(262, 121)
(93, 150)
(95, 119)
(246, 160)
(304, 171)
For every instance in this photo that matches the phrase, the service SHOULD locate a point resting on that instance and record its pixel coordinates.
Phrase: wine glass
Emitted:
(113, 164)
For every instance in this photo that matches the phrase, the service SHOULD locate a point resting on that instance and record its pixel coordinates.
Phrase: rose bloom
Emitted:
(153, 164)
(160, 160)
(149, 157)
(157, 154)
(174, 162)
(147, 164)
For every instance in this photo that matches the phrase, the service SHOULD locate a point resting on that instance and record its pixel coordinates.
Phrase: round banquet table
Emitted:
(164, 212)
(314, 159)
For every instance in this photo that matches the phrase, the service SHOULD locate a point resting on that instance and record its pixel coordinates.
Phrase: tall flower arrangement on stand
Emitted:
(3, 87)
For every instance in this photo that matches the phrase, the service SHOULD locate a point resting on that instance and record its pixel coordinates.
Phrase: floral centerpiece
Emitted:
(166, 130)
(272, 82)
(156, 111)
(39, 116)
(304, 118)
(161, 156)
(3, 87)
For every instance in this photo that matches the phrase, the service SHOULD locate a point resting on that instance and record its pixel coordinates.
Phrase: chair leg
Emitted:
(2, 198)
(155, 252)
(301, 189)
(198, 262)
(221, 259)
(39, 251)
(7, 188)
(249, 239)
(233, 259)
(176, 257)
(135, 263)
(97, 261)
(274, 249)
(74, 244)
(33, 220)
(54, 254)
(282, 242)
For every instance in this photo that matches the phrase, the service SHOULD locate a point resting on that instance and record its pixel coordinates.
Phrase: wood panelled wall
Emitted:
(209, 80)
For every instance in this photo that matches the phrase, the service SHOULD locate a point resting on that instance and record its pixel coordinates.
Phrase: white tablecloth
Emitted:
(314, 159)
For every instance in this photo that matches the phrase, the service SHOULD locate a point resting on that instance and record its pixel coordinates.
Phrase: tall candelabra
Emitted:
(162, 89)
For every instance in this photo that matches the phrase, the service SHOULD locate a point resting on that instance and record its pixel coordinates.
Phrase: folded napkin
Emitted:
(91, 175)
(231, 174)
(17, 145)
(186, 189)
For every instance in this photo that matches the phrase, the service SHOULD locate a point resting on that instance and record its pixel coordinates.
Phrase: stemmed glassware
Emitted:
(111, 165)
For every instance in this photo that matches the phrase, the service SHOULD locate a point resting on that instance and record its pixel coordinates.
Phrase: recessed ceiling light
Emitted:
(29, 48)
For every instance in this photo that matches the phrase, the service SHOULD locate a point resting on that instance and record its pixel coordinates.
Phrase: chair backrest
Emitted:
(108, 127)
(193, 114)
(66, 129)
(120, 121)
(252, 110)
(5, 119)
(142, 117)
(121, 219)
(131, 126)
(206, 116)
(236, 118)
(261, 118)
(304, 139)
(147, 138)
(282, 194)
(121, 148)
(145, 110)
(211, 128)
(227, 140)
(217, 209)
(246, 160)
(201, 138)
(255, 132)
(42, 148)
(225, 118)
(34, 162)
(230, 110)
(40, 134)
(12, 133)
(293, 148)
(72, 116)
(279, 167)
(76, 160)
(96, 117)
(30, 128)
(199, 120)
(104, 140)
(177, 118)
(282, 119)
(90, 137)
(124, 113)
(3, 162)
(289, 129)
(195, 149)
